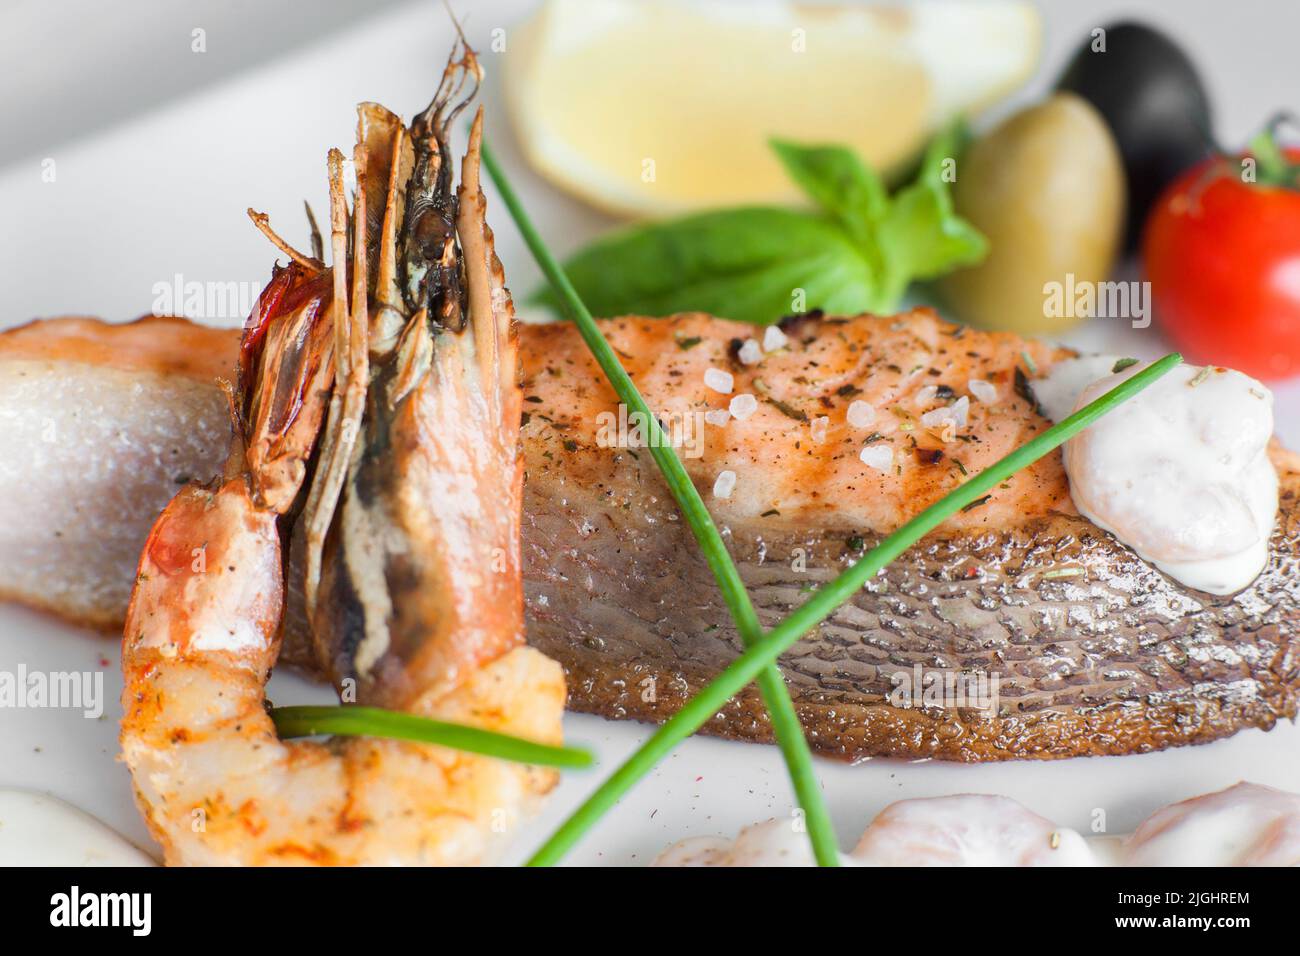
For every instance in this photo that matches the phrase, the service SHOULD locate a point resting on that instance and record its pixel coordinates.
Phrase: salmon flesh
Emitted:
(1016, 630)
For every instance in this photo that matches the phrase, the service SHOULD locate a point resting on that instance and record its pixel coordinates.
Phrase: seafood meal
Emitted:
(1096, 650)
(466, 524)
(373, 461)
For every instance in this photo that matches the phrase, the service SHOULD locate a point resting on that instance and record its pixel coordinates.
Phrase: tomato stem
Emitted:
(1274, 167)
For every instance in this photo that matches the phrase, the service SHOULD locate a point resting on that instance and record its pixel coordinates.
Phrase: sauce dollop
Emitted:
(1180, 472)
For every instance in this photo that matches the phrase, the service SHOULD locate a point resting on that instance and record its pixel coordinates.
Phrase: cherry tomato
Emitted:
(1223, 259)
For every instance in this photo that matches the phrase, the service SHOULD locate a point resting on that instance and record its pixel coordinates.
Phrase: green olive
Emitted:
(1046, 187)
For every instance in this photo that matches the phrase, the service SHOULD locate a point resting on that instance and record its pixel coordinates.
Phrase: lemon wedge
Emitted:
(650, 109)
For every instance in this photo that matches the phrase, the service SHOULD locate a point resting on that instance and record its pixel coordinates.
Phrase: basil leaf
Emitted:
(747, 264)
(921, 236)
(757, 264)
(839, 182)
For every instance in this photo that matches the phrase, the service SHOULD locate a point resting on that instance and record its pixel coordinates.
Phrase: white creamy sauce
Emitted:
(1059, 390)
(39, 830)
(1180, 472)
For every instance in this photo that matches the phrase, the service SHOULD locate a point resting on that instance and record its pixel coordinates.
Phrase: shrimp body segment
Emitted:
(216, 784)
(375, 453)
(1244, 825)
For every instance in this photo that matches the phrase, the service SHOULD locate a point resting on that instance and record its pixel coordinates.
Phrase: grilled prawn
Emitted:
(374, 459)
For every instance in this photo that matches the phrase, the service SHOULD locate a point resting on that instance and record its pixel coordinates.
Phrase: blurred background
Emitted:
(159, 148)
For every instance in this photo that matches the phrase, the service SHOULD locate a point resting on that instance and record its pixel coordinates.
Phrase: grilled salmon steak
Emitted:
(1018, 630)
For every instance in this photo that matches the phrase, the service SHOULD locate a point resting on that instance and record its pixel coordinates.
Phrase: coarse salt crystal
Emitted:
(860, 414)
(879, 457)
(774, 338)
(983, 391)
(956, 413)
(724, 485)
(926, 395)
(961, 411)
(718, 380)
(717, 416)
(742, 406)
(936, 417)
(818, 428)
(751, 353)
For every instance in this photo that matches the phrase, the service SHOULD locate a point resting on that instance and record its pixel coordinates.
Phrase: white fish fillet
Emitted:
(99, 425)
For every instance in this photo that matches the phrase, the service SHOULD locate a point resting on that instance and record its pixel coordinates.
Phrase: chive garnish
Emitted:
(785, 721)
(354, 721)
(758, 662)
(704, 705)
(1122, 364)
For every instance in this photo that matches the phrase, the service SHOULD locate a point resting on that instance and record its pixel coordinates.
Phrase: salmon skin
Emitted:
(1017, 630)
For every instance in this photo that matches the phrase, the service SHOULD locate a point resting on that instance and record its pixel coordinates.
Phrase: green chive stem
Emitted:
(354, 721)
(820, 606)
(785, 721)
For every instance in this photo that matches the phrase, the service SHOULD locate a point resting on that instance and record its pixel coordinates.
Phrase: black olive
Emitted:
(1149, 93)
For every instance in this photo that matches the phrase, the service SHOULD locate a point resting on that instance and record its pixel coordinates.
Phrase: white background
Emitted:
(158, 152)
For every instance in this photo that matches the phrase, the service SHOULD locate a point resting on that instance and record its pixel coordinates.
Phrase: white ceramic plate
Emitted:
(165, 193)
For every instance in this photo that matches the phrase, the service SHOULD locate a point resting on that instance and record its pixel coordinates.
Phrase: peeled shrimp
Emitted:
(968, 830)
(375, 455)
(962, 830)
(1244, 825)
(770, 843)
